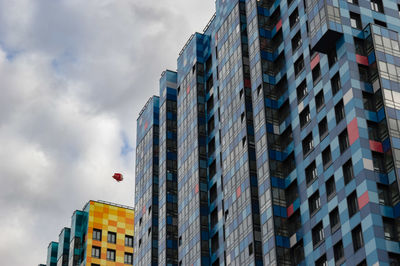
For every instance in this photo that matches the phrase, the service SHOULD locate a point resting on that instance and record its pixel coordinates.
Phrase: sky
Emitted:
(73, 77)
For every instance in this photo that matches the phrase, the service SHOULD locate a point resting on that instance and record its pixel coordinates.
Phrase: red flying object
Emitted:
(119, 177)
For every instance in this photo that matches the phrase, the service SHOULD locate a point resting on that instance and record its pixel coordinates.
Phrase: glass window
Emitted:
(96, 252)
(338, 252)
(389, 227)
(322, 261)
(319, 100)
(129, 241)
(377, 5)
(311, 173)
(308, 144)
(305, 117)
(339, 111)
(316, 73)
(343, 141)
(334, 219)
(97, 234)
(318, 234)
(111, 237)
(384, 194)
(327, 157)
(301, 91)
(294, 18)
(296, 41)
(314, 203)
(299, 65)
(323, 128)
(332, 57)
(111, 254)
(348, 172)
(335, 83)
(355, 20)
(352, 204)
(128, 258)
(358, 240)
(330, 187)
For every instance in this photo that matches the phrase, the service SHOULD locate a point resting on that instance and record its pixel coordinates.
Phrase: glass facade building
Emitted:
(277, 141)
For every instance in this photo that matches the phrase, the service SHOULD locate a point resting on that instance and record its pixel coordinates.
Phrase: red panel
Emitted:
(375, 146)
(144, 210)
(247, 83)
(290, 210)
(352, 130)
(315, 61)
(363, 60)
(238, 192)
(146, 125)
(188, 90)
(216, 37)
(279, 25)
(363, 200)
(196, 189)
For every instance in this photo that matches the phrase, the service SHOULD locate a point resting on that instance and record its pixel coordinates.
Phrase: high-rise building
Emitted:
(100, 234)
(287, 139)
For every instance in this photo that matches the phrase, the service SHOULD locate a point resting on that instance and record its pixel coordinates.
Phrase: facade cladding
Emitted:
(100, 234)
(281, 142)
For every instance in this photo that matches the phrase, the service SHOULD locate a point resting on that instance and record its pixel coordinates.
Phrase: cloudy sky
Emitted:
(74, 75)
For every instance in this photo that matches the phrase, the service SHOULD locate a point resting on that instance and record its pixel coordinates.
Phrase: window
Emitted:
(213, 193)
(330, 187)
(355, 20)
(354, 2)
(305, 117)
(327, 157)
(97, 234)
(323, 128)
(380, 23)
(385, 197)
(358, 241)
(334, 220)
(394, 259)
(318, 234)
(308, 144)
(364, 73)
(296, 41)
(368, 100)
(378, 162)
(129, 241)
(299, 65)
(314, 203)
(111, 254)
(348, 172)
(128, 258)
(311, 173)
(301, 91)
(316, 73)
(389, 227)
(111, 237)
(352, 204)
(343, 141)
(332, 57)
(398, 7)
(96, 252)
(322, 261)
(339, 111)
(338, 252)
(294, 18)
(377, 5)
(359, 46)
(363, 263)
(373, 131)
(319, 100)
(335, 83)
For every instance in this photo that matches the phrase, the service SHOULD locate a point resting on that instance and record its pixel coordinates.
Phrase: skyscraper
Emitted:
(288, 139)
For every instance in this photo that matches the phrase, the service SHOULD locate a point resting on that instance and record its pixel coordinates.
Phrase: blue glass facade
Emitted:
(288, 135)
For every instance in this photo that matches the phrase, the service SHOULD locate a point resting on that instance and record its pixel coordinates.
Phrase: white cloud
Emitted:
(73, 77)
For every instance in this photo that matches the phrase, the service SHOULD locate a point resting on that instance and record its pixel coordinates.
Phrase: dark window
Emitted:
(214, 217)
(389, 227)
(323, 128)
(289, 2)
(213, 193)
(96, 252)
(339, 111)
(354, 2)
(352, 204)
(319, 100)
(97, 234)
(358, 241)
(321, 261)
(298, 252)
(335, 83)
(334, 219)
(301, 90)
(394, 259)
(316, 73)
(359, 46)
(348, 172)
(111, 237)
(308, 144)
(330, 187)
(111, 254)
(377, 5)
(327, 157)
(398, 8)
(314, 203)
(296, 41)
(128, 258)
(373, 131)
(338, 252)
(311, 173)
(364, 73)
(318, 234)
(380, 23)
(294, 18)
(332, 57)
(305, 117)
(368, 100)
(355, 20)
(343, 141)
(299, 65)
(385, 197)
(378, 162)
(363, 263)
(129, 241)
